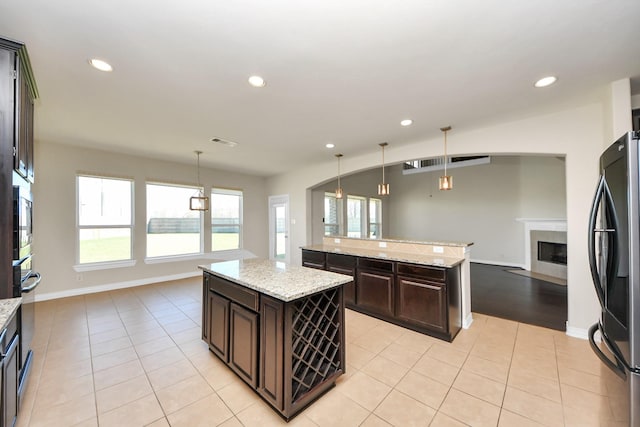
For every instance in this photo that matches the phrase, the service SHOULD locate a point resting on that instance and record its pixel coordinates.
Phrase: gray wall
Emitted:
(482, 208)
(54, 195)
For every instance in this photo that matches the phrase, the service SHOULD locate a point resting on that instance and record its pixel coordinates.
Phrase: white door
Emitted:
(279, 228)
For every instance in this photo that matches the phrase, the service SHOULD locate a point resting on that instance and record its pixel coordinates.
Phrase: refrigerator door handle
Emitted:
(597, 199)
(617, 367)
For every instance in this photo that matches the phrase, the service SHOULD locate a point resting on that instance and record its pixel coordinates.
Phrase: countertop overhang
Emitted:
(430, 260)
(285, 282)
(7, 308)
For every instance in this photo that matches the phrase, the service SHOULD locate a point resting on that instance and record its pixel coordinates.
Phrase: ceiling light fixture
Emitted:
(446, 181)
(330, 145)
(339, 189)
(546, 81)
(406, 122)
(101, 65)
(257, 81)
(199, 202)
(383, 189)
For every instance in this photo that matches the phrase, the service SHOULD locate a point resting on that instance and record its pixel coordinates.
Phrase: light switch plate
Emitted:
(382, 244)
(336, 240)
(438, 250)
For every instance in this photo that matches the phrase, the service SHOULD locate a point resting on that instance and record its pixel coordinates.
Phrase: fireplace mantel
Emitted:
(538, 224)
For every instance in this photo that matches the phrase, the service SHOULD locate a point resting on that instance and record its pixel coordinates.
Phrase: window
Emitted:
(226, 219)
(375, 218)
(355, 216)
(331, 215)
(172, 229)
(105, 219)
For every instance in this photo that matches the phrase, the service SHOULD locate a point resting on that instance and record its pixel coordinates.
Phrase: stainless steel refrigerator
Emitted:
(614, 258)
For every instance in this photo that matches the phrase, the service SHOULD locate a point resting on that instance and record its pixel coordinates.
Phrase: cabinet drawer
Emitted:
(339, 260)
(422, 272)
(314, 259)
(375, 264)
(238, 294)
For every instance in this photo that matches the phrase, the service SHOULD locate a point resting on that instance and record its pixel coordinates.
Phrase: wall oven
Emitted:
(25, 278)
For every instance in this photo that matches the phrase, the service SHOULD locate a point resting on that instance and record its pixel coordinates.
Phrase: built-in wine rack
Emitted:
(316, 340)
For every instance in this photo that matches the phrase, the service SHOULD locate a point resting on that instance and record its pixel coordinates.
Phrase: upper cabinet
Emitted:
(25, 94)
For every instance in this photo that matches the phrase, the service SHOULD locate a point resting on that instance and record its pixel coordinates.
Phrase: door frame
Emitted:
(278, 200)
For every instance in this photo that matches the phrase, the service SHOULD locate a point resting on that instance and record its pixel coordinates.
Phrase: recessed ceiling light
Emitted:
(546, 81)
(224, 141)
(406, 122)
(330, 145)
(101, 65)
(257, 81)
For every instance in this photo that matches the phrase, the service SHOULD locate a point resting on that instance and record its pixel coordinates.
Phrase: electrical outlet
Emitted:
(79, 277)
(438, 250)
(382, 244)
(336, 240)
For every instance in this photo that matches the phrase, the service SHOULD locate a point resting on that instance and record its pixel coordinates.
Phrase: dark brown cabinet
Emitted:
(219, 325)
(9, 340)
(420, 297)
(243, 343)
(344, 264)
(270, 384)
(289, 352)
(23, 140)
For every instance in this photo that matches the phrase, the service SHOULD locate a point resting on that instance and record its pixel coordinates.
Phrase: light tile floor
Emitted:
(134, 357)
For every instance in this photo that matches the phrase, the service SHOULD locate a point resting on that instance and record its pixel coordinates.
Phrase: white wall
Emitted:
(54, 195)
(483, 206)
(576, 133)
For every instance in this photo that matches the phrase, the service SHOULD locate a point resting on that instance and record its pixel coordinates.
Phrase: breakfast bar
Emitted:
(279, 327)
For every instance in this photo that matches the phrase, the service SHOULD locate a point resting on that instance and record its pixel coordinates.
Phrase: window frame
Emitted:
(379, 217)
(162, 258)
(339, 215)
(363, 215)
(228, 192)
(97, 265)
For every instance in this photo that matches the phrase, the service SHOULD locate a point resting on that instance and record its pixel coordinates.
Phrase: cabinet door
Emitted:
(10, 384)
(271, 355)
(349, 288)
(23, 139)
(422, 303)
(243, 343)
(314, 259)
(206, 322)
(375, 291)
(219, 325)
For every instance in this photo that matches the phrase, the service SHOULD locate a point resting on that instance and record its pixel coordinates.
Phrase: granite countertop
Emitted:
(431, 260)
(277, 279)
(8, 307)
(398, 240)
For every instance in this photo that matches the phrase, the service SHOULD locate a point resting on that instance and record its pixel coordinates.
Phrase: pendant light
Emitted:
(446, 181)
(383, 189)
(200, 202)
(339, 189)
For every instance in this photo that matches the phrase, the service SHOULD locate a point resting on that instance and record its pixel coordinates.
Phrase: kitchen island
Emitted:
(279, 327)
(423, 286)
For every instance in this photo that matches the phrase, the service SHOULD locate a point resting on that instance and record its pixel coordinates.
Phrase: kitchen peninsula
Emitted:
(424, 286)
(279, 327)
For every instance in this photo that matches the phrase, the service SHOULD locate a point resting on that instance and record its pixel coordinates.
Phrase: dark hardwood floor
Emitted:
(496, 292)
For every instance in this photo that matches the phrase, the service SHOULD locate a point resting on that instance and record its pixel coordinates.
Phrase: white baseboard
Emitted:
(113, 286)
(502, 264)
(578, 332)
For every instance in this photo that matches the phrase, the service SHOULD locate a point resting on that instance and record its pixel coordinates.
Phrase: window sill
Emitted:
(175, 258)
(104, 265)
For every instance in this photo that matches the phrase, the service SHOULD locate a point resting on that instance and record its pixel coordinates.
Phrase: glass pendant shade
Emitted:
(339, 193)
(199, 202)
(383, 189)
(446, 182)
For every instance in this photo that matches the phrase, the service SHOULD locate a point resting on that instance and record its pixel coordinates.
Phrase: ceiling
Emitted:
(337, 71)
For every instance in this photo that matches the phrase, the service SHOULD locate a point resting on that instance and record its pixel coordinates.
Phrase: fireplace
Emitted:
(552, 252)
(545, 246)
